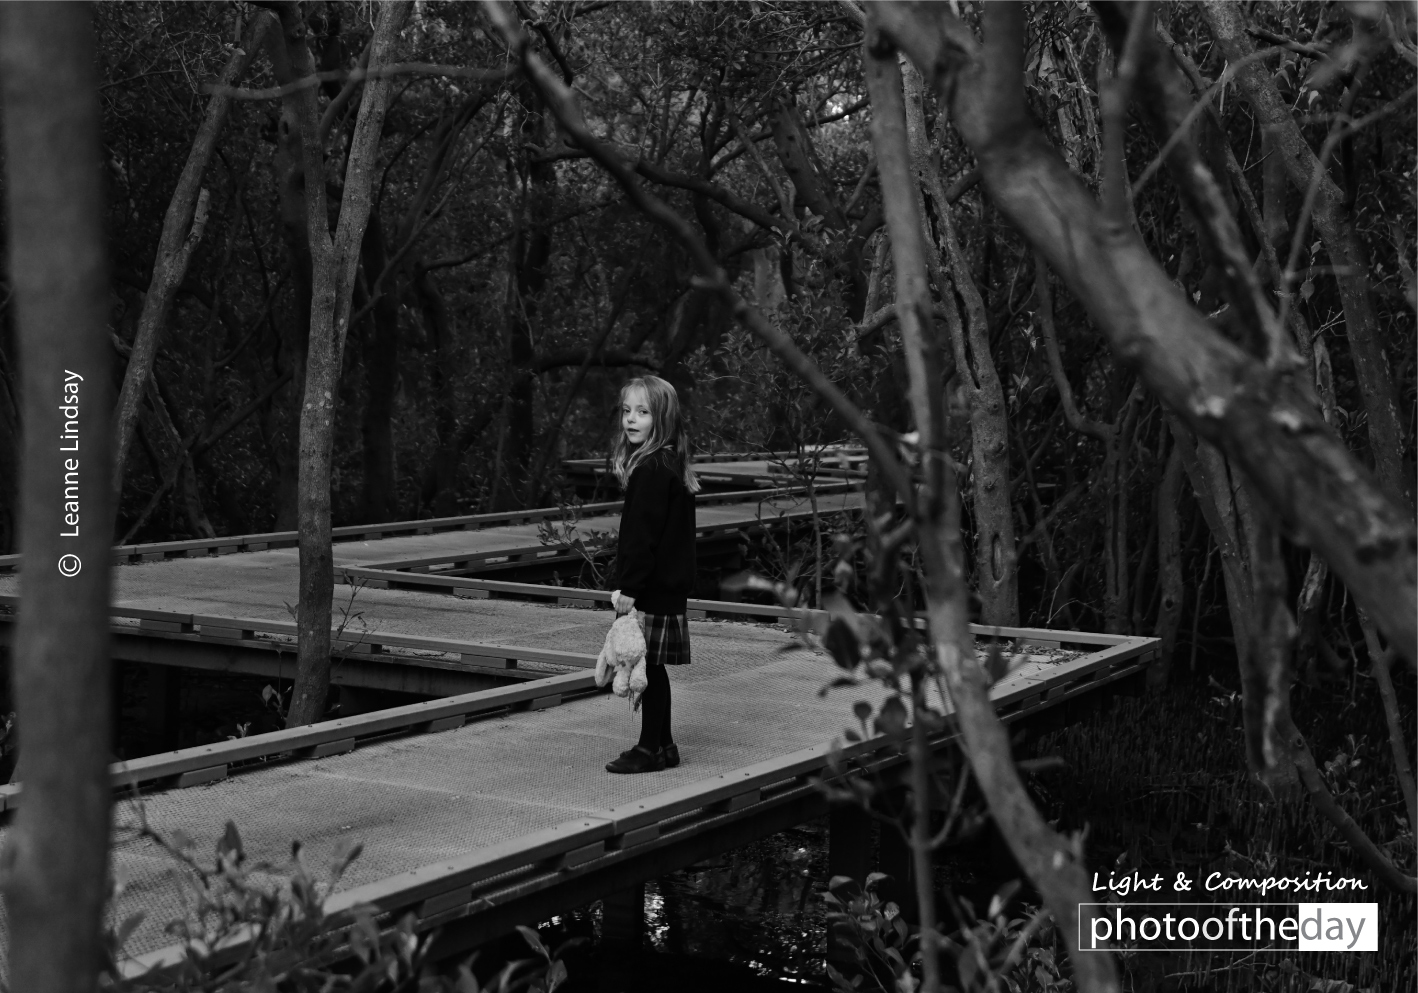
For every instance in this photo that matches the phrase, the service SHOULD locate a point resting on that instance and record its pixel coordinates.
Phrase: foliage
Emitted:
(595, 547)
(998, 952)
(274, 915)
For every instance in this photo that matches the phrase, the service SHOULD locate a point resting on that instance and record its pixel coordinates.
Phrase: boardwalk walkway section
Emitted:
(510, 817)
(197, 605)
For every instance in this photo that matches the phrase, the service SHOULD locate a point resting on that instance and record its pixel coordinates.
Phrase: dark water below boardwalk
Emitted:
(751, 920)
(748, 919)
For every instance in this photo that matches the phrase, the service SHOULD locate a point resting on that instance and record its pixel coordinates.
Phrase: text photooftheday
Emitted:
(1253, 927)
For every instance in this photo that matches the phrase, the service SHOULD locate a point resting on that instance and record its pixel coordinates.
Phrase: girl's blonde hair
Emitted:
(667, 432)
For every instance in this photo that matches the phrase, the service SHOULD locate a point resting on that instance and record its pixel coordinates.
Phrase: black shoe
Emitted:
(637, 760)
(670, 753)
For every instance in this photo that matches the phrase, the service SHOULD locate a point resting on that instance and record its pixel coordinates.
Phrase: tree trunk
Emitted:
(530, 254)
(1264, 655)
(1115, 529)
(1309, 617)
(181, 231)
(996, 580)
(1324, 497)
(9, 460)
(1169, 569)
(57, 849)
(1335, 225)
(288, 174)
(439, 490)
(1053, 865)
(938, 513)
(334, 261)
(381, 374)
(182, 469)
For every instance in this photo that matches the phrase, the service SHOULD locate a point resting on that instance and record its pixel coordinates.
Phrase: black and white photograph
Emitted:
(685, 496)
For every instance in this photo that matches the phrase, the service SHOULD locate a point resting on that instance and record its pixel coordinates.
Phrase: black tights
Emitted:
(655, 710)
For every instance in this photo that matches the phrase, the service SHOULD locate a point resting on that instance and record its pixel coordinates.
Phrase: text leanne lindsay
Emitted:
(69, 442)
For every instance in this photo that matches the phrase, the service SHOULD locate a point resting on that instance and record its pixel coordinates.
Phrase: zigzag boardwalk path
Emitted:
(472, 823)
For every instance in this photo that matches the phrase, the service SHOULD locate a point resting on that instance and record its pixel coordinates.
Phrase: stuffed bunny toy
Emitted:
(622, 659)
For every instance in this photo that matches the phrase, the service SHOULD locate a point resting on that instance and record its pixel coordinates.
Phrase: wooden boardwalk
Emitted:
(738, 471)
(223, 605)
(492, 808)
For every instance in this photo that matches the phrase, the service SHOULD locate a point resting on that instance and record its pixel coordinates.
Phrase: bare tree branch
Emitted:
(314, 79)
(1306, 475)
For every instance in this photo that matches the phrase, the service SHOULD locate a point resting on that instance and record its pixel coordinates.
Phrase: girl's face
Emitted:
(635, 416)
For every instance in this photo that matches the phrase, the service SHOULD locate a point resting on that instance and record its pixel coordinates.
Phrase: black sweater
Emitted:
(654, 558)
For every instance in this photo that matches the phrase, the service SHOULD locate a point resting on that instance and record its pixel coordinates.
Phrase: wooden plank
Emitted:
(488, 661)
(172, 627)
(582, 855)
(483, 588)
(412, 887)
(639, 836)
(252, 624)
(228, 633)
(1072, 670)
(410, 716)
(479, 653)
(196, 777)
(1051, 634)
(330, 748)
(456, 897)
(739, 801)
(144, 614)
(652, 810)
(471, 559)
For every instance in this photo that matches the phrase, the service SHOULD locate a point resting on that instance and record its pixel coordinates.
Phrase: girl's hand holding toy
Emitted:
(623, 604)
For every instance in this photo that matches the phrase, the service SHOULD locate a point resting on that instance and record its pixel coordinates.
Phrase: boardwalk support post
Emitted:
(848, 854)
(894, 859)
(622, 929)
(162, 710)
(848, 842)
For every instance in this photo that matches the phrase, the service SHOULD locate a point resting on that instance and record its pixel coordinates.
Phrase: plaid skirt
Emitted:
(666, 638)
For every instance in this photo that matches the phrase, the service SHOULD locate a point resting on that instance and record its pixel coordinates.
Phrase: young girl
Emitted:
(654, 562)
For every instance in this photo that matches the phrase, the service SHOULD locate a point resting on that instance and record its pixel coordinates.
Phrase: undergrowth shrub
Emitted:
(259, 926)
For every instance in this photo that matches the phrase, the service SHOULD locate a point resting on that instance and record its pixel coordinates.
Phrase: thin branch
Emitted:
(1337, 135)
(1314, 51)
(1202, 103)
(193, 448)
(1113, 102)
(341, 99)
(1072, 415)
(359, 75)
